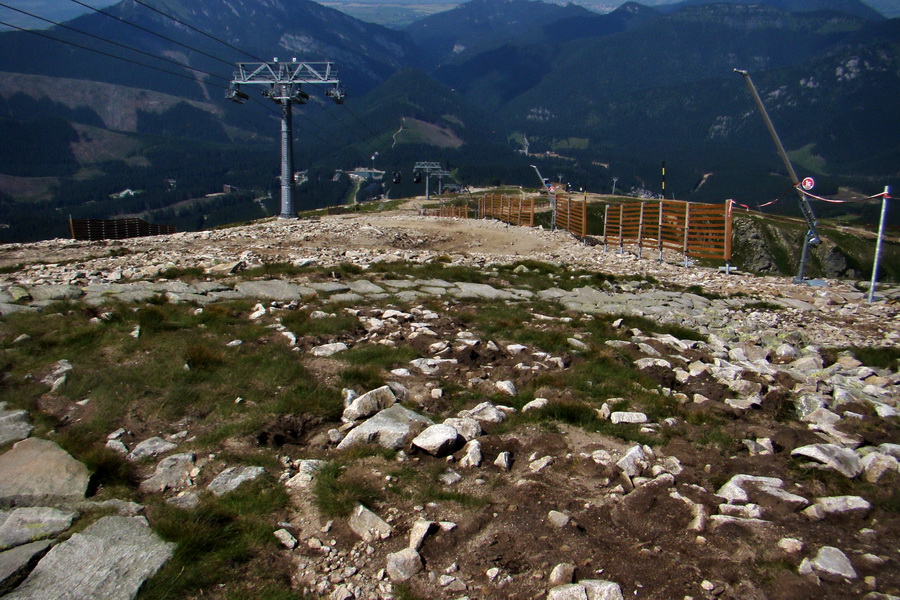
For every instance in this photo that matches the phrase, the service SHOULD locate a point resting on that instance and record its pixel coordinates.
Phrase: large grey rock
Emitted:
(15, 564)
(437, 440)
(364, 286)
(44, 293)
(480, 290)
(231, 478)
(172, 473)
(367, 525)
(11, 309)
(369, 403)
(842, 460)
(109, 560)
(391, 428)
(274, 289)
(403, 565)
(38, 472)
(14, 425)
(29, 524)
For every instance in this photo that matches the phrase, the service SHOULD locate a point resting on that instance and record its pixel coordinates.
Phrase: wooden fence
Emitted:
(458, 212)
(117, 229)
(571, 215)
(695, 230)
(515, 210)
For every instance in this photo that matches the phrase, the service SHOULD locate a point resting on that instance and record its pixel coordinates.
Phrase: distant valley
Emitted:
(486, 88)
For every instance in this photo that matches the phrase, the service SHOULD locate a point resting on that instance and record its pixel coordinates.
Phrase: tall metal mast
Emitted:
(550, 193)
(283, 81)
(429, 168)
(812, 236)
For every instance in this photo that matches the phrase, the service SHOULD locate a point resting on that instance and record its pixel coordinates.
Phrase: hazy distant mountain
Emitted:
(595, 95)
(482, 24)
(262, 29)
(855, 8)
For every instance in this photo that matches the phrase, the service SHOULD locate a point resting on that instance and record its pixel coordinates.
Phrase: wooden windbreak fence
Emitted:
(571, 215)
(458, 212)
(116, 229)
(695, 230)
(515, 210)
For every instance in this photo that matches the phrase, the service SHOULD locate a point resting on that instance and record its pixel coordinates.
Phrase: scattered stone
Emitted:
(306, 474)
(485, 413)
(832, 564)
(437, 440)
(368, 526)
(449, 477)
(599, 589)
(538, 465)
(403, 565)
(369, 403)
(472, 455)
(740, 488)
(420, 530)
(634, 461)
(467, 427)
(627, 417)
(504, 461)
(562, 574)
(838, 505)
(172, 473)
(188, 500)
(791, 545)
(536, 404)
(286, 538)
(507, 388)
(151, 447)
(558, 519)
(326, 350)
(876, 465)
(231, 478)
(390, 428)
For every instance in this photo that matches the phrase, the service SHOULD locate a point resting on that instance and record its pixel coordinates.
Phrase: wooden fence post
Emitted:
(640, 239)
(660, 236)
(687, 229)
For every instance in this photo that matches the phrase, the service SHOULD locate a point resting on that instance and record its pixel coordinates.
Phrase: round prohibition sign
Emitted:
(808, 183)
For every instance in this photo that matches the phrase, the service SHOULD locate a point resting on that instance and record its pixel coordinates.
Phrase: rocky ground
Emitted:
(659, 431)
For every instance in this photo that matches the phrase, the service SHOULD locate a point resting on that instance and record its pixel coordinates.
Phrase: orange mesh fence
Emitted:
(571, 215)
(696, 230)
(515, 210)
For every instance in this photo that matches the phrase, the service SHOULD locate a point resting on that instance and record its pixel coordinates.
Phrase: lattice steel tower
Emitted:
(283, 81)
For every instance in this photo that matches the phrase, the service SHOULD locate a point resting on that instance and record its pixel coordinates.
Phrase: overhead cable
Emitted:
(200, 31)
(151, 32)
(109, 41)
